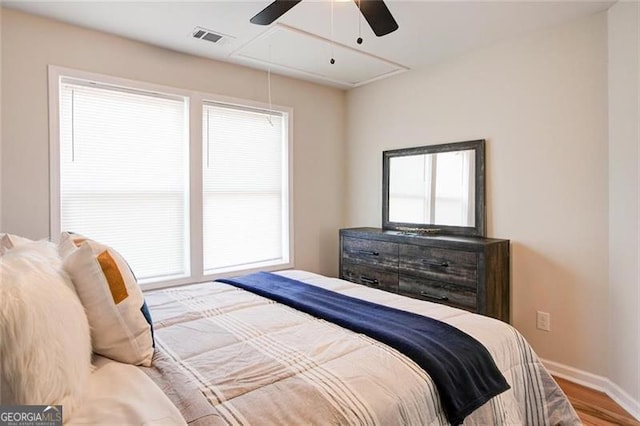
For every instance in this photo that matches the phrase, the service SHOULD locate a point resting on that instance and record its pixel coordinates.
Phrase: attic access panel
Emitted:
(288, 48)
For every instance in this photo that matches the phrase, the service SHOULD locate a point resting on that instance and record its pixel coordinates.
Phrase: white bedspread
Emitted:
(121, 394)
(226, 356)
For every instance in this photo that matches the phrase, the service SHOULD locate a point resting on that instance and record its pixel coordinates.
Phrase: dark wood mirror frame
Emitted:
(479, 228)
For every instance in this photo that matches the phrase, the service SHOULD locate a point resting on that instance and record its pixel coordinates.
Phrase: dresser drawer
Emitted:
(436, 291)
(379, 254)
(377, 278)
(449, 266)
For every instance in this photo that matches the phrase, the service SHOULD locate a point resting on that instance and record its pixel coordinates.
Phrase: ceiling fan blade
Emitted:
(378, 16)
(272, 12)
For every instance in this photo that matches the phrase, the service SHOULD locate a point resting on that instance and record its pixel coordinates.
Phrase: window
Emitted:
(123, 174)
(244, 187)
(185, 189)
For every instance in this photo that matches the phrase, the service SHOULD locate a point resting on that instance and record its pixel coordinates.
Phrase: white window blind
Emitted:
(245, 184)
(124, 174)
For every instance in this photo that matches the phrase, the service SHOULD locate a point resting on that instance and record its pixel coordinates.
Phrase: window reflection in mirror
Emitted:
(433, 188)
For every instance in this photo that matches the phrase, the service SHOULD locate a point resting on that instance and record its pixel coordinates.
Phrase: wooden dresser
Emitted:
(466, 272)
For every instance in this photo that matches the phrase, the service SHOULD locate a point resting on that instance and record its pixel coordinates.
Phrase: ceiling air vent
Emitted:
(205, 34)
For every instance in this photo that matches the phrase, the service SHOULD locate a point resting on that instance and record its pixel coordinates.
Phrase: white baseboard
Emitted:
(595, 382)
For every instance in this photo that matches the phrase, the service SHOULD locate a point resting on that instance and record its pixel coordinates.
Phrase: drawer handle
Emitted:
(440, 264)
(432, 297)
(369, 252)
(367, 280)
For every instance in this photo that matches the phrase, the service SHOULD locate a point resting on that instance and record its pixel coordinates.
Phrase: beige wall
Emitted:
(30, 44)
(541, 103)
(624, 236)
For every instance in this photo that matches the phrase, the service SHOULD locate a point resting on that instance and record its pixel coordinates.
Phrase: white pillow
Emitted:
(45, 345)
(9, 241)
(120, 324)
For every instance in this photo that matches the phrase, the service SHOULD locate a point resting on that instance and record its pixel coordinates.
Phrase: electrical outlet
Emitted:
(543, 321)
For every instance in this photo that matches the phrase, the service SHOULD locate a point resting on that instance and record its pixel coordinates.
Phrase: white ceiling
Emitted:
(301, 43)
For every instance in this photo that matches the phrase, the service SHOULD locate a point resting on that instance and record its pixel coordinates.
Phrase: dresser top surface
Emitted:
(410, 237)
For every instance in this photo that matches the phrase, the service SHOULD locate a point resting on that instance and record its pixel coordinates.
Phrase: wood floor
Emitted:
(595, 408)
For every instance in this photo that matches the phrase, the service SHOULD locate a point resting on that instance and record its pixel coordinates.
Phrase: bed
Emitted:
(230, 357)
(221, 353)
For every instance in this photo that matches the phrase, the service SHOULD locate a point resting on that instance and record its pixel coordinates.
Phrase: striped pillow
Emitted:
(121, 327)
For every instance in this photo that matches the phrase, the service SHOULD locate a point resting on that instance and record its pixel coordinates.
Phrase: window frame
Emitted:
(195, 101)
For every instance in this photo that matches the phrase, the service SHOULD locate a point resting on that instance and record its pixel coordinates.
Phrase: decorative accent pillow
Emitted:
(9, 241)
(112, 299)
(45, 345)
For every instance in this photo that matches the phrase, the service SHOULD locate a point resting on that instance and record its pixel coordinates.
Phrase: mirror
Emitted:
(435, 189)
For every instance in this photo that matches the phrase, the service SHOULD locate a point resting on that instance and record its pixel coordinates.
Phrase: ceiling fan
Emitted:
(374, 11)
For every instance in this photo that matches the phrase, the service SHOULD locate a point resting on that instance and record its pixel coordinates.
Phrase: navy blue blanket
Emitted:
(461, 368)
